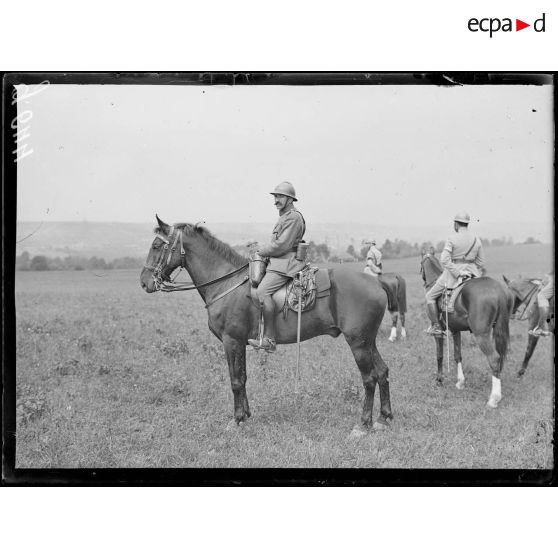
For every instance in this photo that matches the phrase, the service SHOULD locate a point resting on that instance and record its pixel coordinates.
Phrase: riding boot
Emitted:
(435, 329)
(542, 326)
(268, 341)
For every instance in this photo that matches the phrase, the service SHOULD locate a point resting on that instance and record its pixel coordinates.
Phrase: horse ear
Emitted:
(507, 281)
(162, 224)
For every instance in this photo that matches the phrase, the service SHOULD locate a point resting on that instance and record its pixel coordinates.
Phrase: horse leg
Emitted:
(393, 335)
(531, 344)
(457, 357)
(236, 359)
(487, 348)
(440, 360)
(382, 371)
(403, 331)
(372, 368)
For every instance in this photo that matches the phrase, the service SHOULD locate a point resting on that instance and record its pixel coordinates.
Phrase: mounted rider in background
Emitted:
(373, 259)
(462, 257)
(543, 300)
(283, 265)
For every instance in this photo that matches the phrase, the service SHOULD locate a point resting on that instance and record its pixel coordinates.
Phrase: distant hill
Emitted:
(114, 240)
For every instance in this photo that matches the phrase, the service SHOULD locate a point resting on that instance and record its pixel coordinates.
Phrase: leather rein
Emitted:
(165, 284)
(526, 299)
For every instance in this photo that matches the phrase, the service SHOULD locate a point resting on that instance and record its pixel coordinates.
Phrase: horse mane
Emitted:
(222, 248)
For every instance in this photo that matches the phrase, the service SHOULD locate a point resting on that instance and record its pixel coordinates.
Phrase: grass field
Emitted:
(108, 376)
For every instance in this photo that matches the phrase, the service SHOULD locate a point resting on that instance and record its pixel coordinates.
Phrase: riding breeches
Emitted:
(435, 292)
(271, 283)
(545, 294)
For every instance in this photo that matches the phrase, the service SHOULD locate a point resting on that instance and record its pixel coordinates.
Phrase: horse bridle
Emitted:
(159, 277)
(164, 283)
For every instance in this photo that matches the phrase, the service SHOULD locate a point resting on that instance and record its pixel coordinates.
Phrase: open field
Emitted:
(108, 376)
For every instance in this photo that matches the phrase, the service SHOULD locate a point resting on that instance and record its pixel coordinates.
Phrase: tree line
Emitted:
(25, 262)
(391, 249)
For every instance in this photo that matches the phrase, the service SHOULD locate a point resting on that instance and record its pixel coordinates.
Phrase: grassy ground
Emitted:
(108, 376)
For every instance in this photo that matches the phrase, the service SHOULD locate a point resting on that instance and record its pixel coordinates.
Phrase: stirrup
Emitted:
(435, 331)
(539, 332)
(266, 344)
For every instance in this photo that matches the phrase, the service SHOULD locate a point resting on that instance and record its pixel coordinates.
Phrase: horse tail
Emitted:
(502, 329)
(391, 296)
(401, 294)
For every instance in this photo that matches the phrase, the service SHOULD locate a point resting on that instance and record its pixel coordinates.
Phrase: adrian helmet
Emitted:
(368, 242)
(462, 217)
(285, 189)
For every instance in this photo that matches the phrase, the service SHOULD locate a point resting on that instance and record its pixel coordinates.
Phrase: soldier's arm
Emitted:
(370, 263)
(479, 258)
(279, 246)
(445, 258)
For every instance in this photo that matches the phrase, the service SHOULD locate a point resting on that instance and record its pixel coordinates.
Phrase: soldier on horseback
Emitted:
(373, 259)
(543, 300)
(283, 265)
(462, 257)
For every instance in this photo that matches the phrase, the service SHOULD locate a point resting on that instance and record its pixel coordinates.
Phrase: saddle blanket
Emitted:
(449, 296)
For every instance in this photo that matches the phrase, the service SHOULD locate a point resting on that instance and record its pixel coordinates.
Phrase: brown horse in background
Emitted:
(354, 308)
(483, 308)
(395, 286)
(524, 292)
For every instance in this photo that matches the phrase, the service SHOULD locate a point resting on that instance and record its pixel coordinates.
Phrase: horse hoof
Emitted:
(521, 372)
(392, 339)
(380, 426)
(460, 385)
(233, 425)
(357, 432)
(492, 404)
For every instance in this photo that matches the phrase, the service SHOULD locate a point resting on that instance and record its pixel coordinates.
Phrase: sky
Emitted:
(410, 154)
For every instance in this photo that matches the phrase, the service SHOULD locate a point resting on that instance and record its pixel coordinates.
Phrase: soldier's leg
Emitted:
(269, 284)
(432, 309)
(542, 300)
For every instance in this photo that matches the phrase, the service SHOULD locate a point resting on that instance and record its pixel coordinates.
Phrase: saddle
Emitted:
(449, 296)
(314, 284)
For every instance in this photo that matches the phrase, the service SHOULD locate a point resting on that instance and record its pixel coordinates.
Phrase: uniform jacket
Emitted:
(453, 254)
(374, 260)
(281, 250)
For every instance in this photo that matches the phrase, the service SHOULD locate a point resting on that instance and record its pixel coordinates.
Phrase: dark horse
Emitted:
(482, 307)
(524, 292)
(355, 308)
(397, 301)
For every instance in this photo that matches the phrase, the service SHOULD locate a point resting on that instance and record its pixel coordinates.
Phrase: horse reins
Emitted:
(165, 284)
(526, 300)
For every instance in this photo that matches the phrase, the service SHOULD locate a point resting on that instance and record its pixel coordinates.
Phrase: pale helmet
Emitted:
(462, 217)
(368, 242)
(285, 189)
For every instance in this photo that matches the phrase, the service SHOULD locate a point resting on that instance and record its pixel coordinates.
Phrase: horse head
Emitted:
(522, 291)
(162, 258)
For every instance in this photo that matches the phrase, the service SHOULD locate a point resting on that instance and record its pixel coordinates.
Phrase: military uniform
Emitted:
(374, 261)
(543, 300)
(462, 255)
(281, 250)
(283, 265)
